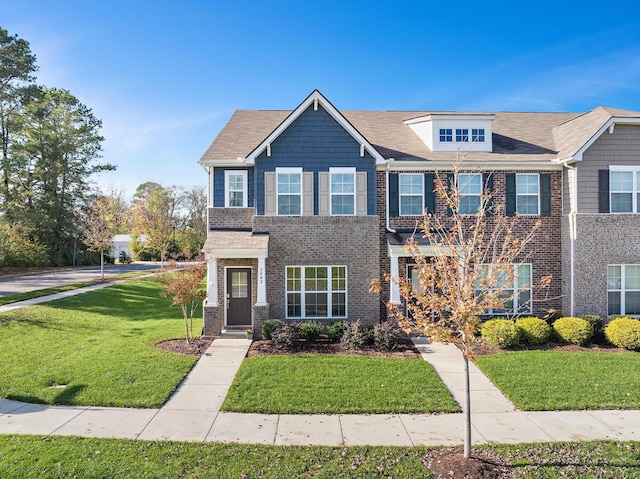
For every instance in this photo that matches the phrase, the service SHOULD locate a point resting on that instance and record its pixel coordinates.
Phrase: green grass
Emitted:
(38, 293)
(562, 380)
(56, 456)
(326, 384)
(99, 344)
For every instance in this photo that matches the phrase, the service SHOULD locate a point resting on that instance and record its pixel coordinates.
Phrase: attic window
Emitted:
(446, 134)
(462, 135)
(477, 135)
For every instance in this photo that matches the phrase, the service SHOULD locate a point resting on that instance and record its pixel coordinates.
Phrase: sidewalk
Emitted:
(193, 414)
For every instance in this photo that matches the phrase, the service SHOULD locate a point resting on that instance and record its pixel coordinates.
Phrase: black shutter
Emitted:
(429, 194)
(545, 194)
(510, 206)
(394, 194)
(603, 191)
(487, 182)
(450, 185)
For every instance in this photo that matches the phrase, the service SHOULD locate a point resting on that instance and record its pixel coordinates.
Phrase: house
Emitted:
(307, 206)
(122, 242)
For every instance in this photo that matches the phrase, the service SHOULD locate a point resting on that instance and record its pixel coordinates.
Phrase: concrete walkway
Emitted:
(193, 414)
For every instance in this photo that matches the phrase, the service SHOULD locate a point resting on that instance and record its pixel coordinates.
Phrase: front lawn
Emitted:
(327, 384)
(94, 349)
(57, 456)
(563, 380)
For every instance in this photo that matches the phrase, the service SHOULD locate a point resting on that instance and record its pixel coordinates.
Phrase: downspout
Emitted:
(386, 173)
(573, 230)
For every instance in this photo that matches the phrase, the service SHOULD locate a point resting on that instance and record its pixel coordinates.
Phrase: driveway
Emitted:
(31, 282)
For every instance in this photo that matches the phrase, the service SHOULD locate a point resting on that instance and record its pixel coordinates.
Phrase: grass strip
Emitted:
(38, 293)
(94, 349)
(57, 456)
(327, 384)
(565, 380)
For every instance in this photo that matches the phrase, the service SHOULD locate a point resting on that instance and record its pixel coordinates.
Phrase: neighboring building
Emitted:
(122, 243)
(306, 207)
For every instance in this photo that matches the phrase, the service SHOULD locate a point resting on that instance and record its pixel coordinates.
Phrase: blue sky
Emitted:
(164, 77)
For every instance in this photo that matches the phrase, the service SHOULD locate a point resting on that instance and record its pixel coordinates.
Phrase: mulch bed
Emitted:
(404, 350)
(447, 463)
(195, 347)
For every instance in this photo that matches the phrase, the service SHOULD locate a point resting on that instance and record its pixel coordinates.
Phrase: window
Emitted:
(462, 135)
(446, 134)
(411, 194)
(343, 191)
(528, 193)
(289, 188)
(235, 187)
(516, 290)
(316, 292)
(469, 192)
(477, 135)
(623, 289)
(624, 188)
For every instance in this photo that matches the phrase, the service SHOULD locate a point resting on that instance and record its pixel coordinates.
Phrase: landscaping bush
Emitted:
(501, 333)
(572, 330)
(269, 326)
(385, 336)
(624, 333)
(354, 336)
(336, 329)
(286, 337)
(594, 320)
(533, 330)
(310, 330)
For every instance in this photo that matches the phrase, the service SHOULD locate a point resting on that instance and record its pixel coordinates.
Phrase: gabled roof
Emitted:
(517, 136)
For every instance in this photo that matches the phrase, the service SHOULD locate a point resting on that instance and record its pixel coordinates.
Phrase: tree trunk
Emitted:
(102, 264)
(467, 410)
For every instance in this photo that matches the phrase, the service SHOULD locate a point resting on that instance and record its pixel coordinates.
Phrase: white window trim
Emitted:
(245, 183)
(333, 171)
(445, 134)
(290, 171)
(538, 194)
(421, 175)
(329, 292)
(479, 195)
(623, 291)
(514, 289)
(484, 136)
(462, 134)
(635, 170)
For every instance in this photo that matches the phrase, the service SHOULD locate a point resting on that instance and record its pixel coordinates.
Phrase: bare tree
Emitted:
(475, 258)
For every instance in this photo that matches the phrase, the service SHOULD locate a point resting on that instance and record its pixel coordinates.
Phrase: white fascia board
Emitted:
(426, 250)
(225, 162)
(472, 165)
(315, 96)
(450, 116)
(612, 121)
(239, 253)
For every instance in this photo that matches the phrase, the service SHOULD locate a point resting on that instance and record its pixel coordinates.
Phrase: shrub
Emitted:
(354, 336)
(501, 333)
(572, 330)
(286, 337)
(624, 333)
(124, 258)
(385, 336)
(336, 329)
(594, 320)
(310, 330)
(269, 326)
(534, 330)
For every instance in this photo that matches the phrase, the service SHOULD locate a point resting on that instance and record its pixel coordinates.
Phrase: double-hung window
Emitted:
(235, 187)
(316, 292)
(624, 188)
(469, 193)
(514, 287)
(289, 191)
(343, 191)
(411, 186)
(623, 289)
(528, 193)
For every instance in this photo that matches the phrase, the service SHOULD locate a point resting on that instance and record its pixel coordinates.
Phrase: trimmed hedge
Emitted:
(534, 330)
(310, 330)
(572, 330)
(594, 320)
(500, 333)
(624, 332)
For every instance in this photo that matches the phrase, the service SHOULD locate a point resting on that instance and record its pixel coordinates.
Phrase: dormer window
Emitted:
(477, 135)
(462, 135)
(446, 134)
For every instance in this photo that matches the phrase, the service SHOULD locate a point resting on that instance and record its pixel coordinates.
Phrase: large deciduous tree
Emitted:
(473, 263)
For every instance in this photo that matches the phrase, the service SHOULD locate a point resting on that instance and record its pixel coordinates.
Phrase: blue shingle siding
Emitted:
(218, 186)
(315, 142)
